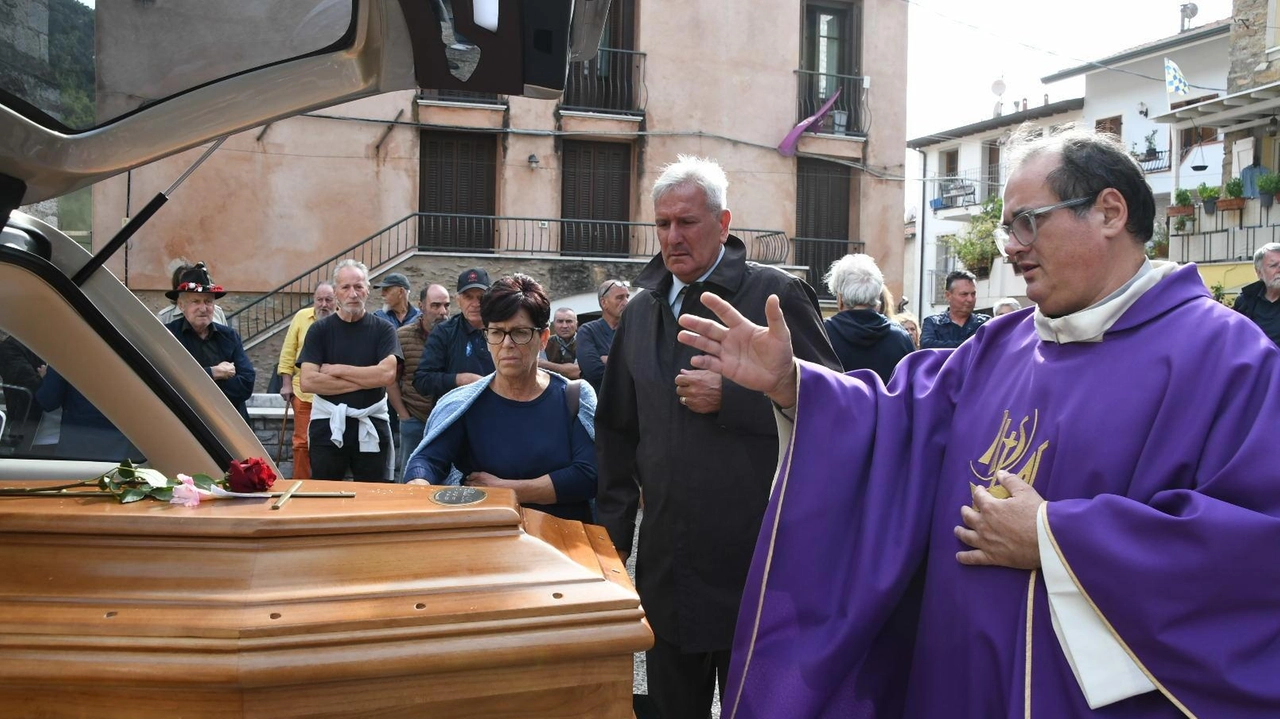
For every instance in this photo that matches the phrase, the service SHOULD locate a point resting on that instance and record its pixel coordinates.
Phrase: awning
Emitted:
(1238, 111)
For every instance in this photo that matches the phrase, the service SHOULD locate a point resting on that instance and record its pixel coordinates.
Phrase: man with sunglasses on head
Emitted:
(595, 337)
(1059, 518)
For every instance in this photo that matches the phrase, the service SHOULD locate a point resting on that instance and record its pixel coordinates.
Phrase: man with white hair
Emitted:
(701, 452)
(347, 362)
(862, 337)
(1260, 301)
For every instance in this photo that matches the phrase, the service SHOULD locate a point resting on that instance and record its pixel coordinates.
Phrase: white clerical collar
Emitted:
(1091, 323)
(677, 286)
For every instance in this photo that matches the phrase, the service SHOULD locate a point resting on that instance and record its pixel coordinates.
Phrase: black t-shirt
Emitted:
(362, 343)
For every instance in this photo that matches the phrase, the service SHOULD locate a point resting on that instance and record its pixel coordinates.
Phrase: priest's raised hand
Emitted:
(752, 356)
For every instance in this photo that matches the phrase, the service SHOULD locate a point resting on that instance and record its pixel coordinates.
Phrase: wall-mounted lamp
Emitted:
(1272, 126)
(533, 162)
(1142, 109)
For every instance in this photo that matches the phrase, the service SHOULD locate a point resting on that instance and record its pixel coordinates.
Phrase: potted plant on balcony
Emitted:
(1151, 152)
(975, 246)
(1182, 204)
(1235, 195)
(1268, 186)
(1208, 198)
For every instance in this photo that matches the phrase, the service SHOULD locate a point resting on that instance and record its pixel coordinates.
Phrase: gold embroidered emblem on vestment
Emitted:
(1011, 452)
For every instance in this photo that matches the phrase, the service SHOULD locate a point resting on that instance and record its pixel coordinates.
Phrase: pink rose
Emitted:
(251, 475)
(185, 492)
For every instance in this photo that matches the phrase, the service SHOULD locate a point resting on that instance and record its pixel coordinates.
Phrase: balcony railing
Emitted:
(1225, 235)
(963, 189)
(818, 254)
(1157, 161)
(847, 115)
(478, 98)
(439, 232)
(612, 81)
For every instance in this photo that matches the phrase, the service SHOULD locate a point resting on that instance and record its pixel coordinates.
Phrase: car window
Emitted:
(47, 418)
(148, 50)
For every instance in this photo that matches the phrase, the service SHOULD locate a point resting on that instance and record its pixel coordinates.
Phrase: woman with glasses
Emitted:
(520, 428)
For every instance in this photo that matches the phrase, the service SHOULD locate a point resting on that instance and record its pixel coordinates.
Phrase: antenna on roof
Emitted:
(998, 88)
(1188, 11)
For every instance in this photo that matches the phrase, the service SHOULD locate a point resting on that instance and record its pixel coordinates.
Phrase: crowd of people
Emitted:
(835, 523)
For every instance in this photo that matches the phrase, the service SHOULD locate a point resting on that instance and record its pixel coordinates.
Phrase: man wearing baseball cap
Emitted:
(396, 307)
(456, 353)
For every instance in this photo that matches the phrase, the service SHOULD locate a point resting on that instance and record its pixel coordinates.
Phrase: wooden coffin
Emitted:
(387, 604)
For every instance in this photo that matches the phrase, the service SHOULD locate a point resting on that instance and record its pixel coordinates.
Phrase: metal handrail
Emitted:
(612, 81)
(847, 116)
(447, 232)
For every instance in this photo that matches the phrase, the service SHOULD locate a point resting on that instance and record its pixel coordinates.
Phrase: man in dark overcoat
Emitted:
(702, 452)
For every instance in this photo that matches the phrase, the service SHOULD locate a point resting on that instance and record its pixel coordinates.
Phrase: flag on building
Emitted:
(1174, 81)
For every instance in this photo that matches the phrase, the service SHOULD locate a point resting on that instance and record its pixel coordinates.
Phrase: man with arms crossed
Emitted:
(347, 362)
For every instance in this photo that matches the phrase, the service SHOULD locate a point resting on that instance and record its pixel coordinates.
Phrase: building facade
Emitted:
(455, 178)
(964, 167)
(1222, 241)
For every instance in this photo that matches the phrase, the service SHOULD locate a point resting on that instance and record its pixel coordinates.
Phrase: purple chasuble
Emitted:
(1156, 450)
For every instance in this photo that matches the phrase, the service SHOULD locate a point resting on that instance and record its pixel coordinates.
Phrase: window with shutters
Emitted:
(458, 182)
(822, 217)
(597, 187)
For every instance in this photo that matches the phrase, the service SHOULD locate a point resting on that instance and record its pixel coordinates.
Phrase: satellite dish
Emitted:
(1189, 10)
(998, 87)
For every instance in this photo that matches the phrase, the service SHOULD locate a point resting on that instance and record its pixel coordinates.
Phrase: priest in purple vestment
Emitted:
(1074, 514)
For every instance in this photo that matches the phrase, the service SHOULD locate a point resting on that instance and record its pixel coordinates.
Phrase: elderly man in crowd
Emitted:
(215, 346)
(595, 337)
(409, 405)
(456, 353)
(561, 354)
(1006, 544)
(862, 337)
(701, 451)
(1260, 301)
(172, 312)
(322, 304)
(347, 362)
(959, 322)
(396, 307)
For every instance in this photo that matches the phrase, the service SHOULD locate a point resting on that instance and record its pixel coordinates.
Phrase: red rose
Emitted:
(251, 475)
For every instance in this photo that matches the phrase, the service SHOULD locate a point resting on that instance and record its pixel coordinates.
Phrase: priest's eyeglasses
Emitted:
(519, 335)
(1023, 228)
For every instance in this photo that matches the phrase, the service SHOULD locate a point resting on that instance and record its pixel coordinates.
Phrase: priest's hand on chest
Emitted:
(1002, 532)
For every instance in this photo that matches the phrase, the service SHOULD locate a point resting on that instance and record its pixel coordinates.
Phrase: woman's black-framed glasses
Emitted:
(519, 335)
(1023, 228)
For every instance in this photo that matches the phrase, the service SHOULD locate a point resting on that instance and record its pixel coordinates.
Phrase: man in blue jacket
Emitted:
(215, 346)
(456, 353)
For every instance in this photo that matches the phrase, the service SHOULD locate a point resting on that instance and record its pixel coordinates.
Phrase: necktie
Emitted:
(679, 301)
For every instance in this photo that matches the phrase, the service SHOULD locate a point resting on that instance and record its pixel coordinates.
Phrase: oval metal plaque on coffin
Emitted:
(456, 496)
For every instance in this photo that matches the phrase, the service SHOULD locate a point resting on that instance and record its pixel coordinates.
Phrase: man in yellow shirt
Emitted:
(323, 303)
